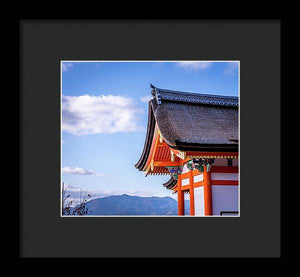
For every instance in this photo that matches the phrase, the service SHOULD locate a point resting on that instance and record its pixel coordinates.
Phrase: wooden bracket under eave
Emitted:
(178, 153)
(161, 139)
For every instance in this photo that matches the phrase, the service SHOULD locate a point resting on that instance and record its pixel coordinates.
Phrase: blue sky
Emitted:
(104, 118)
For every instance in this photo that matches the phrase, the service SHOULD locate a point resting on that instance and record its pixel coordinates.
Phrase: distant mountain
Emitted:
(133, 205)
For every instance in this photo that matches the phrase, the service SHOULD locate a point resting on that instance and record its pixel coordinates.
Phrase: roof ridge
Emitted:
(198, 94)
(192, 97)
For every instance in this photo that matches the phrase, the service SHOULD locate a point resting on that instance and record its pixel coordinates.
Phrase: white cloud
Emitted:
(88, 114)
(189, 65)
(66, 66)
(146, 98)
(79, 171)
(98, 174)
(231, 68)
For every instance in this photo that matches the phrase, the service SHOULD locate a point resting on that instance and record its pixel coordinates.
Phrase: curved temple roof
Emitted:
(192, 122)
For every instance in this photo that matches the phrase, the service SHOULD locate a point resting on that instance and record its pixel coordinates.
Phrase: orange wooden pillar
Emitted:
(180, 196)
(207, 192)
(191, 182)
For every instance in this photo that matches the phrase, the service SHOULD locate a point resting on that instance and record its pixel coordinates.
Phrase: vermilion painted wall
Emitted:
(224, 197)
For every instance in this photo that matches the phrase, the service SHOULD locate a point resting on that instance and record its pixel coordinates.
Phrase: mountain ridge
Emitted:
(125, 204)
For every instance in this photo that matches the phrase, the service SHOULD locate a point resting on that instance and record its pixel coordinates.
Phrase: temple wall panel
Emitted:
(198, 178)
(224, 176)
(224, 198)
(185, 182)
(199, 201)
(186, 204)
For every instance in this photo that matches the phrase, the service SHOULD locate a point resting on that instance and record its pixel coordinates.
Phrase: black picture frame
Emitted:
(43, 43)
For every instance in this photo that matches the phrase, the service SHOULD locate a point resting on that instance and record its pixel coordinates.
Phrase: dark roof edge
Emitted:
(148, 140)
(170, 184)
(205, 147)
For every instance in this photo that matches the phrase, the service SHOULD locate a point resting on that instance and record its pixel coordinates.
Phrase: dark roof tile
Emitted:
(162, 95)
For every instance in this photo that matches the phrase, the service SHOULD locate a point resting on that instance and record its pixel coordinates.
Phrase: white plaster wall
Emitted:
(199, 200)
(185, 181)
(198, 178)
(186, 205)
(224, 198)
(224, 176)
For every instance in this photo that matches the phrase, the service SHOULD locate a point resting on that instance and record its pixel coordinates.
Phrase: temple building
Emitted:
(194, 138)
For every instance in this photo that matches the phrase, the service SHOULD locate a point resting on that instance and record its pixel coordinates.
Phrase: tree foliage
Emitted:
(69, 207)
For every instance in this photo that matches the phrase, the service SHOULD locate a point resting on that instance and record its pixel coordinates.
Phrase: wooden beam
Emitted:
(220, 155)
(225, 169)
(191, 183)
(207, 192)
(214, 169)
(194, 173)
(180, 196)
(154, 151)
(225, 182)
(165, 163)
(147, 170)
(185, 187)
(198, 184)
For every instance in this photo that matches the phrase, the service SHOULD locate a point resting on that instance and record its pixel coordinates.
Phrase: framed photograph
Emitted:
(188, 140)
(137, 134)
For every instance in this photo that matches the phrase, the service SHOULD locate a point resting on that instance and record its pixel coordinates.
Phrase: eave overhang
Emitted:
(148, 140)
(159, 152)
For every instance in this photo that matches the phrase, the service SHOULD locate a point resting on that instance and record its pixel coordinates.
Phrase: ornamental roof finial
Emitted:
(152, 86)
